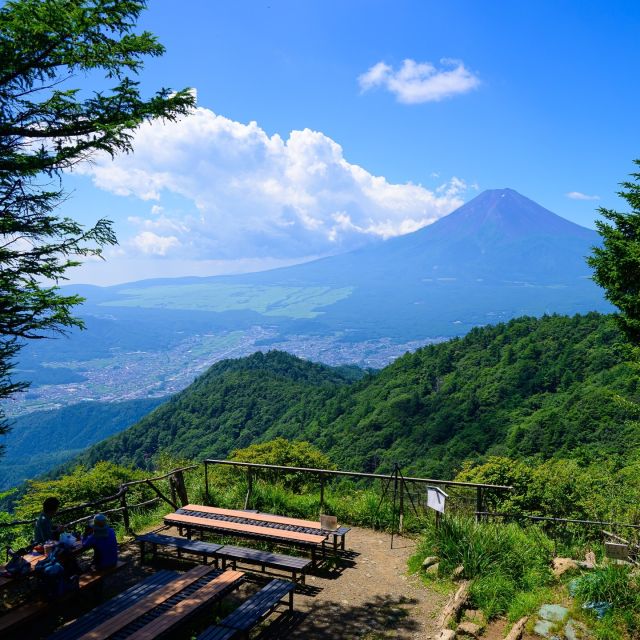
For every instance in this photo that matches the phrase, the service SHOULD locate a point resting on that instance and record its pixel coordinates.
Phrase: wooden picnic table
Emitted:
(311, 541)
(155, 610)
(267, 520)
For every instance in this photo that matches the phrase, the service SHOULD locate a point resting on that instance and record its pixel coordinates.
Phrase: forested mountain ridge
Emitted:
(232, 405)
(530, 387)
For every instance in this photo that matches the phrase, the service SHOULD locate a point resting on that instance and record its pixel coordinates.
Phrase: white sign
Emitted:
(436, 499)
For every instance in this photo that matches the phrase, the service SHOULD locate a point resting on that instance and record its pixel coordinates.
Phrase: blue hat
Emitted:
(100, 525)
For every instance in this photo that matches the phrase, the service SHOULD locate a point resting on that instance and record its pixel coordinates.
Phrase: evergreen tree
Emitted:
(616, 264)
(47, 125)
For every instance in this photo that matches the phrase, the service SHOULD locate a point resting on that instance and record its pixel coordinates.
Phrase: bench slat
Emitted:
(218, 633)
(195, 546)
(251, 610)
(263, 557)
(265, 532)
(21, 614)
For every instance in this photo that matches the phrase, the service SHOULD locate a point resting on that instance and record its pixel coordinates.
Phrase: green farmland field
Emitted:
(292, 302)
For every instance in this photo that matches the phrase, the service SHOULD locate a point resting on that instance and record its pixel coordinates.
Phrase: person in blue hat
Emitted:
(102, 539)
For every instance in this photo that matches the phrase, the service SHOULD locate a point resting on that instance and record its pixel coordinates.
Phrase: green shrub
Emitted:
(286, 453)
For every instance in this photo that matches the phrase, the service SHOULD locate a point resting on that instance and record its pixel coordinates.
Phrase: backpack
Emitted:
(17, 566)
(53, 582)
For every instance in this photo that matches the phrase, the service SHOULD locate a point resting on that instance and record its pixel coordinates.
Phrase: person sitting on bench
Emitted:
(100, 537)
(44, 529)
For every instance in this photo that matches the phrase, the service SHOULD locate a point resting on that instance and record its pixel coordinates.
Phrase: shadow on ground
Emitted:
(379, 616)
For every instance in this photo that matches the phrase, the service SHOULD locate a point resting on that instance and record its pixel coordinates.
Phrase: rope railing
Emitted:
(75, 507)
(356, 474)
(115, 510)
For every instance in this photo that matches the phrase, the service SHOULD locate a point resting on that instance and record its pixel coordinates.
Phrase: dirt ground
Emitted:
(370, 596)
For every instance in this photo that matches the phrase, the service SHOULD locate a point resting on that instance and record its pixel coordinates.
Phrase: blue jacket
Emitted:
(105, 549)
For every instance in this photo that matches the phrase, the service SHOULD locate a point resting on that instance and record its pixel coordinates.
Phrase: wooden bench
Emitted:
(197, 547)
(297, 566)
(25, 613)
(310, 541)
(110, 608)
(251, 612)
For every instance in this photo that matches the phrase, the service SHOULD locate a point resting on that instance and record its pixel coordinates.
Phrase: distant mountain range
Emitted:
(497, 257)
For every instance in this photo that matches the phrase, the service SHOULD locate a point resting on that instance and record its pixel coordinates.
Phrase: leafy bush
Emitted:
(618, 585)
(565, 488)
(82, 485)
(286, 453)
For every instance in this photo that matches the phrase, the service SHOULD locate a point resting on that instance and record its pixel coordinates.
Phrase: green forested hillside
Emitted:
(43, 440)
(232, 405)
(545, 387)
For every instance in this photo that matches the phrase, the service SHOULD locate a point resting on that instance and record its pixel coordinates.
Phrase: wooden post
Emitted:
(125, 510)
(321, 494)
(206, 481)
(395, 495)
(249, 488)
(172, 487)
(181, 488)
(479, 506)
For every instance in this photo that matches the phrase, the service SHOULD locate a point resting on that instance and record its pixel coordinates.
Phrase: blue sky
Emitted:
(540, 97)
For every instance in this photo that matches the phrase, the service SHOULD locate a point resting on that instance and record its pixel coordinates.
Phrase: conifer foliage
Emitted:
(50, 50)
(616, 264)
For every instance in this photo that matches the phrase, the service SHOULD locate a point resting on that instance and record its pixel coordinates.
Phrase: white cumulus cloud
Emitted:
(416, 82)
(151, 243)
(576, 195)
(246, 194)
